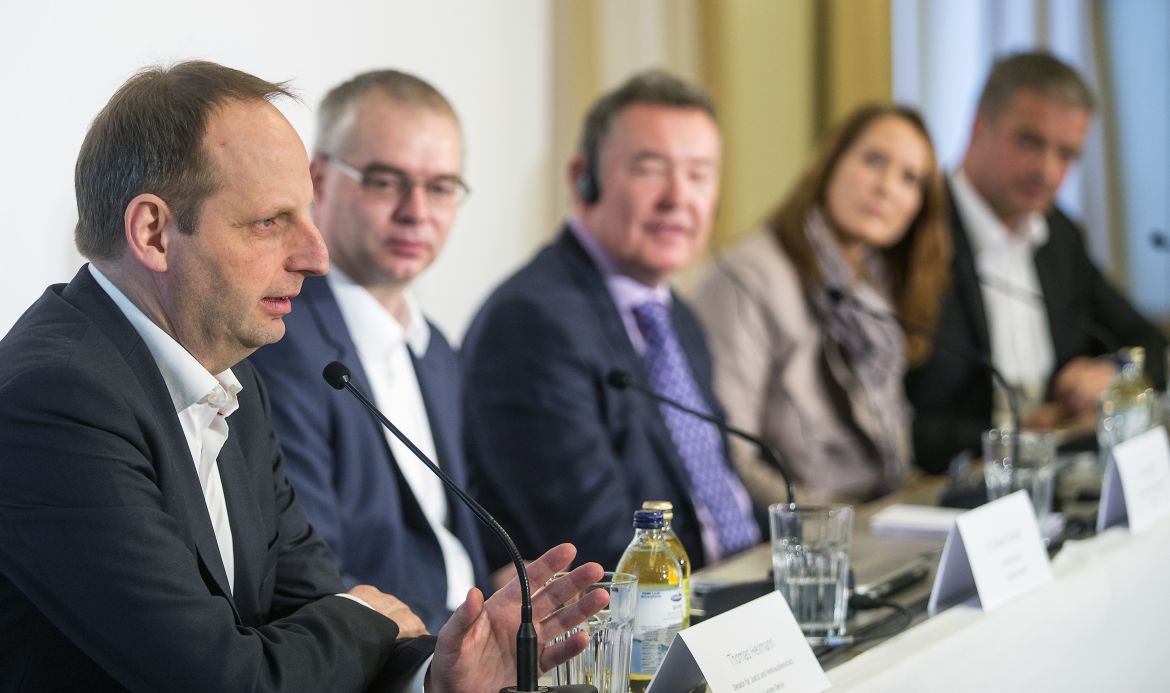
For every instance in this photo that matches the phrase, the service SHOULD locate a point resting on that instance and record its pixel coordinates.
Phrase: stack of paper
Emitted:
(914, 520)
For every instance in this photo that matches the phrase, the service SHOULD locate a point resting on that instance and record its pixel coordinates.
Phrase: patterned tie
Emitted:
(698, 442)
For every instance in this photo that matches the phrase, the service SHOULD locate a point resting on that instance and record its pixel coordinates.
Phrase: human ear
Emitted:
(145, 220)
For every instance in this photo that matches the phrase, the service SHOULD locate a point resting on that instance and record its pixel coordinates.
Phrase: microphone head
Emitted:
(619, 379)
(336, 374)
(1159, 240)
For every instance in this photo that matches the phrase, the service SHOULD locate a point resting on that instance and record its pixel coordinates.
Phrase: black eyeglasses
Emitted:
(388, 184)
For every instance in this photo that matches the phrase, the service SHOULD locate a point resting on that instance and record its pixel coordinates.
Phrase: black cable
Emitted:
(896, 622)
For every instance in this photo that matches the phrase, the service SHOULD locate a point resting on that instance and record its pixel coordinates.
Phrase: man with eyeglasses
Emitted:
(544, 431)
(386, 189)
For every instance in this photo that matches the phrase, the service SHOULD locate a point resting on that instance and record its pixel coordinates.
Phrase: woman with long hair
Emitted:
(813, 320)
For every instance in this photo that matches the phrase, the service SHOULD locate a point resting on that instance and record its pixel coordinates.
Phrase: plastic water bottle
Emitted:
(1128, 407)
(661, 607)
(680, 552)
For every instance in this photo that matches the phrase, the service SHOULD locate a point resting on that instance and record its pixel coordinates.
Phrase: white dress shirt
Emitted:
(384, 348)
(202, 401)
(1017, 317)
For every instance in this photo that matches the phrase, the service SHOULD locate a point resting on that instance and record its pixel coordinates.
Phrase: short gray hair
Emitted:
(1036, 71)
(401, 87)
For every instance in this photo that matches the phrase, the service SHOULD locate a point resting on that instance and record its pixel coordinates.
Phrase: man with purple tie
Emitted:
(543, 430)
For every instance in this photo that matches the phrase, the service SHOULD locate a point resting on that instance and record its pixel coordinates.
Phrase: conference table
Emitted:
(1100, 625)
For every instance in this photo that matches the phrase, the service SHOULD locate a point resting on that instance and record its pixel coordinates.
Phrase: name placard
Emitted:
(1137, 482)
(754, 648)
(994, 553)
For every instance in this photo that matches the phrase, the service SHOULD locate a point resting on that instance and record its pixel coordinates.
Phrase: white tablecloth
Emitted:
(1103, 624)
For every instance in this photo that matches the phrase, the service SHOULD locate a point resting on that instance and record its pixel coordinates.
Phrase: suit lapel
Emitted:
(247, 522)
(589, 279)
(178, 480)
(586, 275)
(966, 281)
(326, 313)
(430, 374)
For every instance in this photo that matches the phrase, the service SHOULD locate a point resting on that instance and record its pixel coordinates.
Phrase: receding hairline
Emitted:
(342, 133)
(340, 104)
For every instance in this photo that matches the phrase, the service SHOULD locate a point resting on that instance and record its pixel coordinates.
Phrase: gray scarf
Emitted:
(873, 348)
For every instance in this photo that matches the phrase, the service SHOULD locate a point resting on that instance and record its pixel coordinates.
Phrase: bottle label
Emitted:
(657, 618)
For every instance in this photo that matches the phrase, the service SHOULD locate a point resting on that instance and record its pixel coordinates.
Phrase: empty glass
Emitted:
(1033, 472)
(605, 663)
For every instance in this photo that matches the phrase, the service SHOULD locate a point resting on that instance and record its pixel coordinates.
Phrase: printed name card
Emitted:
(754, 648)
(1137, 482)
(994, 552)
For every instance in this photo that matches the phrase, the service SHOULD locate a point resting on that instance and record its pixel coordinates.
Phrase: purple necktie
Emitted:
(699, 444)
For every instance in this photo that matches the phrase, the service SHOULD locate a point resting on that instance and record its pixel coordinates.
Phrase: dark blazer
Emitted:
(110, 576)
(339, 462)
(555, 453)
(952, 392)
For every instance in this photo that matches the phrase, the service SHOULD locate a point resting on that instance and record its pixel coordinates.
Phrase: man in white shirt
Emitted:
(387, 186)
(1025, 293)
(149, 539)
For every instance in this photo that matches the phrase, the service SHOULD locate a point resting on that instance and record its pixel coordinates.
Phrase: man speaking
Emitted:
(148, 537)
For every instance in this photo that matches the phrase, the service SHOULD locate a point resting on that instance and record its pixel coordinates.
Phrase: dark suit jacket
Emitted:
(110, 577)
(341, 466)
(952, 392)
(555, 453)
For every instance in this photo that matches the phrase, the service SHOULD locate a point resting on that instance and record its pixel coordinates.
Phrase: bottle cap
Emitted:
(647, 519)
(666, 507)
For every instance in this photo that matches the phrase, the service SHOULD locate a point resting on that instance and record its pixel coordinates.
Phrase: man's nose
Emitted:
(413, 204)
(308, 253)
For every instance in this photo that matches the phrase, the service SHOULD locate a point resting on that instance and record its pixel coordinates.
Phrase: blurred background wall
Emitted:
(522, 72)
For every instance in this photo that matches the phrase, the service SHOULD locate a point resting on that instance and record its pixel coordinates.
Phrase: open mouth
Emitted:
(278, 304)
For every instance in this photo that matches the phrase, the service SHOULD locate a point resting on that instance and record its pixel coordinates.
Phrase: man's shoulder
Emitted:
(1062, 226)
(437, 343)
(554, 268)
(553, 284)
(53, 333)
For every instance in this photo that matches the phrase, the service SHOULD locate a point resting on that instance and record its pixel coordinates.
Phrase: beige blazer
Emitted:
(777, 374)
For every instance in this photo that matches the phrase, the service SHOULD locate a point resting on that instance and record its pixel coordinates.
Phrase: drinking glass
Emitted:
(1034, 471)
(605, 663)
(810, 562)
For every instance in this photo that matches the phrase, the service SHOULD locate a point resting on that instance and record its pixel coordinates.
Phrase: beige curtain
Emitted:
(781, 72)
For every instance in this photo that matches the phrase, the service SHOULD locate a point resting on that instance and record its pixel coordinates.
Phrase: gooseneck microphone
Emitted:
(338, 377)
(1085, 324)
(622, 380)
(837, 296)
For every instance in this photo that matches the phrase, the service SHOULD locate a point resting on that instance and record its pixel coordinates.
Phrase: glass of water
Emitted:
(810, 562)
(605, 663)
(1033, 471)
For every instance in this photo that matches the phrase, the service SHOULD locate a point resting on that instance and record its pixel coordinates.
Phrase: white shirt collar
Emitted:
(984, 228)
(373, 329)
(188, 382)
